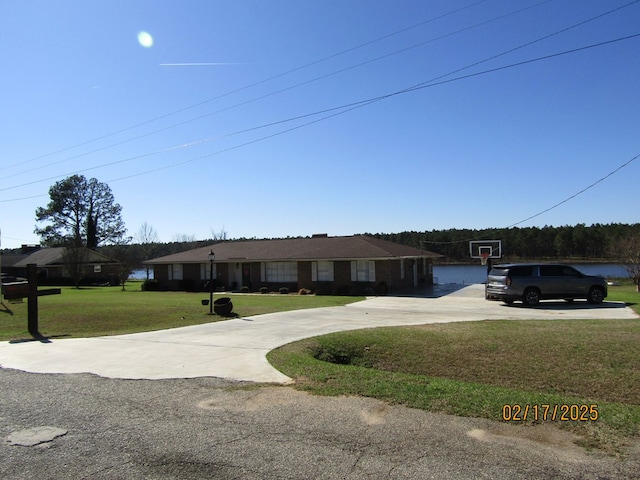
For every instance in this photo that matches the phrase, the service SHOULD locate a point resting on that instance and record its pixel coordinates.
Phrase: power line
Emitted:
(542, 212)
(332, 74)
(364, 103)
(260, 82)
(336, 111)
(571, 197)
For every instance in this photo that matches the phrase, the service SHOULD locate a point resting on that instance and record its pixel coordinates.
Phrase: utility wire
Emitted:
(356, 66)
(260, 82)
(431, 82)
(542, 212)
(336, 111)
(589, 187)
(322, 77)
(374, 100)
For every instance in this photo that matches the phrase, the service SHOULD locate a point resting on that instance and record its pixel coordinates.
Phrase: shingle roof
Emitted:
(10, 260)
(53, 256)
(314, 248)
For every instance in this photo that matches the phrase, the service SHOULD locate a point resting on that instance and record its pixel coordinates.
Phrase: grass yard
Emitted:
(90, 312)
(475, 369)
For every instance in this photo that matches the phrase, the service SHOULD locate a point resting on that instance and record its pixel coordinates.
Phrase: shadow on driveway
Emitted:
(563, 305)
(432, 291)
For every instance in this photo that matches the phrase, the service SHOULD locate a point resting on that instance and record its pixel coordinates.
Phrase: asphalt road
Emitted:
(207, 428)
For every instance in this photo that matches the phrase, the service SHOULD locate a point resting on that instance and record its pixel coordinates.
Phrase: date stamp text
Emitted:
(550, 412)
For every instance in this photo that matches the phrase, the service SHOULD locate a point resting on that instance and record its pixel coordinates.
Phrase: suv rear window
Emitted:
(499, 272)
(521, 271)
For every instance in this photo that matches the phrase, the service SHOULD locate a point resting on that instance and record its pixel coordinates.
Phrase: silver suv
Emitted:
(532, 282)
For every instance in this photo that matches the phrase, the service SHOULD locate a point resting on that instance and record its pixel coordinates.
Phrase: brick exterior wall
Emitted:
(388, 278)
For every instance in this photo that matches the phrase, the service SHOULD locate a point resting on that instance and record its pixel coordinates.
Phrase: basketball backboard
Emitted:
(484, 249)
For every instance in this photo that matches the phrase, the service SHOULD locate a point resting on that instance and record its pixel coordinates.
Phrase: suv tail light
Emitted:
(508, 281)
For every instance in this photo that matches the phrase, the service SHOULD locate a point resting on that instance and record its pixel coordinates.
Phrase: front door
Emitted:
(246, 275)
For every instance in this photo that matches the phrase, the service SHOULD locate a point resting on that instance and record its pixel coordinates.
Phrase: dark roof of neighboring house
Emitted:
(314, 248)
(11, 259)
(54, 257)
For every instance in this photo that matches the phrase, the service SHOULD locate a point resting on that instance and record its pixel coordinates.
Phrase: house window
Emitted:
(363, 271)
(402, 268)
(322, 271)
(204, 271)
(175, 271)
(281, 271)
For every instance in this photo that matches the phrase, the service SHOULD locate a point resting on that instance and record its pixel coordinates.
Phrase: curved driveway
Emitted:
(236, 349)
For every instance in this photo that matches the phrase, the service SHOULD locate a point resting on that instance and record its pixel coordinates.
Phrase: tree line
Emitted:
(577, 242)
(598, 242)
(83, 213)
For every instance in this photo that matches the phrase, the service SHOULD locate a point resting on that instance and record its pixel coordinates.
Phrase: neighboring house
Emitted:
(331, 265)
(54, 266)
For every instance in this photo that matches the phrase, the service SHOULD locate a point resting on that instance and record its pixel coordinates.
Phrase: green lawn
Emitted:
(89, 312)
(475, 369)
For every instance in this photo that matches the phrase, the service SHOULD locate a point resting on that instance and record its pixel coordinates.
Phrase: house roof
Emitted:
(10, 259)
(314, 248)
(54, 257)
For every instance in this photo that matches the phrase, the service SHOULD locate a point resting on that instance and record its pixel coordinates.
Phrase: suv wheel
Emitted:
(595, 295)
(531, 297)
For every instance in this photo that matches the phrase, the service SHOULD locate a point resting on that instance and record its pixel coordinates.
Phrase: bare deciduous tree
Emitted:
(146, 234)
(627, 250)
(184, 238)
(219, 236)
(147, 237)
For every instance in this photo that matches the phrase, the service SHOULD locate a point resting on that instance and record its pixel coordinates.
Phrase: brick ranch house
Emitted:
(325, 265)
(53, 267)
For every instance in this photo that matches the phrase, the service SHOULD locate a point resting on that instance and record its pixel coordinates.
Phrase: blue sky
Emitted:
(216, 125)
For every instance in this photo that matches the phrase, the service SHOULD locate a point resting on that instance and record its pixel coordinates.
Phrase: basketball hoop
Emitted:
(484, 258)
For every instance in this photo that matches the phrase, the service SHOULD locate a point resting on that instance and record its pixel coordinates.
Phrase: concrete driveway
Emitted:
(236, 349)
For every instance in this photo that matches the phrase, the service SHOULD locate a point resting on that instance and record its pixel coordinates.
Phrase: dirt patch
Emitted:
(545, 437)
(252, 399)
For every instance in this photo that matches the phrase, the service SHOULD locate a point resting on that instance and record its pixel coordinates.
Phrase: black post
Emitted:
(210, 287)
(32, 300)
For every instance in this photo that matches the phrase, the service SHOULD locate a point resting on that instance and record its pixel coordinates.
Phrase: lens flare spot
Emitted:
(145, 39)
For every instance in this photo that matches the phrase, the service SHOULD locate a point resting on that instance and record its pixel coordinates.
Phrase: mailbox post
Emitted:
(32, 299)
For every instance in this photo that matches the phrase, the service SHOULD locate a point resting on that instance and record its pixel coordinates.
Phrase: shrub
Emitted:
(283, 290)
(245, 289)
(264, 290)
(150, 286)
(342, 352)
(304, 291)
(186, 285)
(341, 290)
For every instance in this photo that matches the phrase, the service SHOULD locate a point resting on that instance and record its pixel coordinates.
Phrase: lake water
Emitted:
(445, 274)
